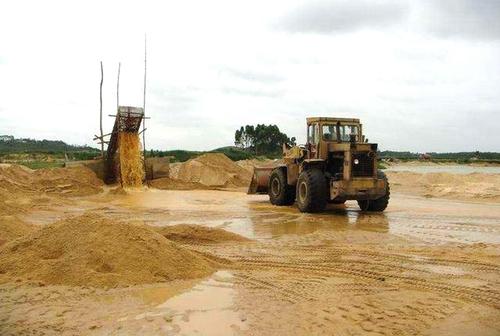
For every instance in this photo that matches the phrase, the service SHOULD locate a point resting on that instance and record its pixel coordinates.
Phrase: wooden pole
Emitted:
(100, 112)
(144, 109)
(118, 87)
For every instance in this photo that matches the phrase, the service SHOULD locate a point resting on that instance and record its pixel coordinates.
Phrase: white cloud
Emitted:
(213, 66)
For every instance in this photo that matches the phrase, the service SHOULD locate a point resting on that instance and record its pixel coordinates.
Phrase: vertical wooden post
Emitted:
(118, 88)
(144, 110)
(100, 113)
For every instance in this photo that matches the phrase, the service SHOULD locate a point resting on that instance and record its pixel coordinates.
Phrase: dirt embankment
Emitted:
(214, 170)
(475, 186)
(91, 250)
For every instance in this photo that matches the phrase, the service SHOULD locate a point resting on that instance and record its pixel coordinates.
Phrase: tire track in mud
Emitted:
(321, 250)
(473, 294)
(409, 269)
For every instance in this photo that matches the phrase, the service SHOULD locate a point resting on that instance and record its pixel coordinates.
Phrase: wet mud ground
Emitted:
(424, 267)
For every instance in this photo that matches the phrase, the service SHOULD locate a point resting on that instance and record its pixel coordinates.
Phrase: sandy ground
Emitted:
(427, 266)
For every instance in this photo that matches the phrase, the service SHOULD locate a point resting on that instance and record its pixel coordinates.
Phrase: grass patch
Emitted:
(42, 164)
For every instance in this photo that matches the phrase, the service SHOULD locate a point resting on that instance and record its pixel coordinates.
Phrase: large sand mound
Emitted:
(212, 170)
(192, 234)
(74, 181)
(11, 228)
(459, 186)
(22, 188)
(249, 165)
(95, 251)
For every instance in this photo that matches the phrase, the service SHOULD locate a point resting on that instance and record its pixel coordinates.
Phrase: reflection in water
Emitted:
(252, 216)
(270, 221)
(207, 309)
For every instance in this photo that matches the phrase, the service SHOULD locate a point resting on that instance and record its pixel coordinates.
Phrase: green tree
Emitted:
(262, 139)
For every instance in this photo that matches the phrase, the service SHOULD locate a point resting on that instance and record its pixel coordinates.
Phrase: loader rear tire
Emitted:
(379, 204)
(312, 191)
(280, 193)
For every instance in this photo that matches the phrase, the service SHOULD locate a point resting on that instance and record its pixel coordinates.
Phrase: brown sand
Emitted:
(167, 183)
(73, 181)
(407, 271)
(212, 170)
(475, 186)
(23, 189)
(197, 234)
(91, 250)
(249, 165)
(130, 167)
(12, 227)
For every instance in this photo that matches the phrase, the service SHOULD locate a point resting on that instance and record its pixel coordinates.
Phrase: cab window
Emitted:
(347, 130)
(310, 134)
(316, 134)
(313, 134)
(329, 132)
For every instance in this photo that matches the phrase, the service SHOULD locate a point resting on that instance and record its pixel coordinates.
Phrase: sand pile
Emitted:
(174, 184)
(197, 234)
(130, 167)
(459, 186)
(212, 170)
(74, 181)
(95, 251)
(12, 227)
(249, 165)
(22, 188)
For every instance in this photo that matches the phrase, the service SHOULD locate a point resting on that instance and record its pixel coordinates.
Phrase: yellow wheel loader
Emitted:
(336, 164)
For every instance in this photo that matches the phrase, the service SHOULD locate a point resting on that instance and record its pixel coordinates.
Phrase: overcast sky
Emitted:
(422, 75)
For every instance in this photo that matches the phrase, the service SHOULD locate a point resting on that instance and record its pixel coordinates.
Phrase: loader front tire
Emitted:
(280, 193)
(312, 191)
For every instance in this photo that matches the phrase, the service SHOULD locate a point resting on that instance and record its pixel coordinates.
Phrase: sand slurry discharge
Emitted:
(91, 250)
(131, 169)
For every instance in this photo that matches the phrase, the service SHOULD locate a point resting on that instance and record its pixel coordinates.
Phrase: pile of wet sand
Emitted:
(211, 170)
(479, 186)
(91, 250)
(198, 234)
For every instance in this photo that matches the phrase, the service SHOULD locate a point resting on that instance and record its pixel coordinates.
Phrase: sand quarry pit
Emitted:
(220, 262)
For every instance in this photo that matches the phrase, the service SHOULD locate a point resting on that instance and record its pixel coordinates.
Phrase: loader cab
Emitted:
(324, 133)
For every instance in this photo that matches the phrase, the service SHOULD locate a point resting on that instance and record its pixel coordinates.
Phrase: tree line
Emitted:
(262, 139)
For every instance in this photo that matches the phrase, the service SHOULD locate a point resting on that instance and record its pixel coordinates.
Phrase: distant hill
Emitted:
(232, 152)
(461, 157)
(58, 149)
(9, 144)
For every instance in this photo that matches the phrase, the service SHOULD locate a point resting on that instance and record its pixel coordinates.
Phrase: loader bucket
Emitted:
(260, 180)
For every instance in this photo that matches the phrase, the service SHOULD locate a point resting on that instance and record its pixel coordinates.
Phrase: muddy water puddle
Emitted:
(429, 220)
(208, 308)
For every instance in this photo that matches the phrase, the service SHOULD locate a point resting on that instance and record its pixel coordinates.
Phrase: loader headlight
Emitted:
(356, 161)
